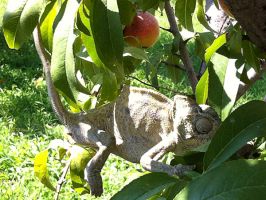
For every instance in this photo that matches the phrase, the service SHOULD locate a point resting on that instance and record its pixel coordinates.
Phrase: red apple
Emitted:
(143, 31)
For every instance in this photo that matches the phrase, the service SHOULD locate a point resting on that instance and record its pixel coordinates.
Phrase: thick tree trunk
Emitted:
(251, 15)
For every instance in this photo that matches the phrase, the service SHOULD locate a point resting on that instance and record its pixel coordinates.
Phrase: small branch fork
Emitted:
(182, 46)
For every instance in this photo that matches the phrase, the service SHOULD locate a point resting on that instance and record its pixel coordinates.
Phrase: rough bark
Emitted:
(251, 15)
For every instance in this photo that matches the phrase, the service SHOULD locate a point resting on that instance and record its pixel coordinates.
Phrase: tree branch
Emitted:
(61, 181)
(182, 46)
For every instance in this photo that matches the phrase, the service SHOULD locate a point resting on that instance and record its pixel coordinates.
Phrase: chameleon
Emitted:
(140, 126)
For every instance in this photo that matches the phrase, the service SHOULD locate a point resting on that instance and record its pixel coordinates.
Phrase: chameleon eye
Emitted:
(203, 126)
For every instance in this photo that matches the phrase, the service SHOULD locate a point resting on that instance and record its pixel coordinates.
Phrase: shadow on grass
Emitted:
(24, 104)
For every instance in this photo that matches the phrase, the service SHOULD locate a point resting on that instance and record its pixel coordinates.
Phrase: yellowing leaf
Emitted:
(40, 169)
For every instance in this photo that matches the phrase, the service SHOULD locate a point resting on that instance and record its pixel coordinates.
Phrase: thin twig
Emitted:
(222, 26)
(182, 46)
(166, 29)
(61, 181)
(150, 85)
(181, 67)
(147, 84)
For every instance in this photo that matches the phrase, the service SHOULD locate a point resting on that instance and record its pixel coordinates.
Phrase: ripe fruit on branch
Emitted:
(143, 31)
(225, 8)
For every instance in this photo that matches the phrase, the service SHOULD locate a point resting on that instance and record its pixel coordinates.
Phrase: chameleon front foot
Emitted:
(180, 169)
(95, 182)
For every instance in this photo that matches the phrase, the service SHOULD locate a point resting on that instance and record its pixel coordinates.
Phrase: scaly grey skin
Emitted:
(140, 126)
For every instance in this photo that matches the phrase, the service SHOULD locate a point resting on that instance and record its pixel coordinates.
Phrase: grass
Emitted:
(27, 123)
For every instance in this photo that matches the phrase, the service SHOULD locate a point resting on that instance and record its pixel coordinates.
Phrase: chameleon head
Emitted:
(194, 124)
(206, 122)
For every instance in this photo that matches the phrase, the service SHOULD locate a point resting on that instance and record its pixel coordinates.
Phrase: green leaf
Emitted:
(145, 186)
(63, 67)
(60, 41)
(217, 43)
(132, 57)
(173, 61)
(87, 67)
(127, 11)
(235, 41)
(201, 15)
(130, 64)
(91, 103)
(250, 55)
(109, 89)
(170, 192)
(202, 88)
(145, 5)
(184, 10)
(104, 45)
(83, 21)
(79, 159)
(70, 65)
(46, 24)
(19, 20)
(203, 41)
(136, 53)
(148, 4)
(223, 84)
(40, 169)
(240, 179)
(106, 30)
(86, 37)
(244, 124)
